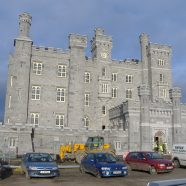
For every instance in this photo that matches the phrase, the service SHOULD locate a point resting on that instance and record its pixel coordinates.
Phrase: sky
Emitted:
(53, 20)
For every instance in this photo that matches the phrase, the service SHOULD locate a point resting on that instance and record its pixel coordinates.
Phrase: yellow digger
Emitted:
(75, 152)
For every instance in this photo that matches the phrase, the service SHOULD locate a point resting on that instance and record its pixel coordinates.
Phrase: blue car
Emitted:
(39, 165)
(103, 165)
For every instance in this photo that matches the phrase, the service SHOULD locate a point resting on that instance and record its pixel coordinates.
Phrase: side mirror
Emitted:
(92, 160)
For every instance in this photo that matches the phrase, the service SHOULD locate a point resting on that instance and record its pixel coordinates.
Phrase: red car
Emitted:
(152, 162)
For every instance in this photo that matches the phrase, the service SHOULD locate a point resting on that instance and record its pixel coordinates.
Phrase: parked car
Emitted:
(152, 162)
(173, 182)
(103, 165)
(179, 155)
(5, 170)
(39, 165)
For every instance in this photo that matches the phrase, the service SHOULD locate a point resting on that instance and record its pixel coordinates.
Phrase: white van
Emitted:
(179, 155)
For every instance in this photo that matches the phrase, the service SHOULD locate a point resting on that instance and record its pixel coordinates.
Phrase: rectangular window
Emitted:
(11, 81)
(87, 99)
(163, 93)
(60, 95)
(60, 120)
(104, 88)
(118, 145)
(104, 110)
(103, 71)
(161, 78)
(9, 102)
(61, 71)
(114, 92)
(86, 122)
(114, 76)
(161, 62)
(37, 68)
(129, 79)
(36, 91)
(34, 119)
(12, 142)
(129, 93)
(87, 77)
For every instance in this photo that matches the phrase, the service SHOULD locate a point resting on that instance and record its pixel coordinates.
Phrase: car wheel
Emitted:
(82, 170)
(27, 175)
(152, 170)
(177, 163)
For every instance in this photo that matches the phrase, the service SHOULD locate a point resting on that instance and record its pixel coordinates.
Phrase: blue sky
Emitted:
(53, 20)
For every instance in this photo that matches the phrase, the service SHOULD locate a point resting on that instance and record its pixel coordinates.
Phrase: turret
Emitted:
(175, 95)
(24, 25)
(101, 45)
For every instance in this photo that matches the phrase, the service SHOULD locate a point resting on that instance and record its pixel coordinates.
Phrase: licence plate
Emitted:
(116, 172)
(45, 172)
(170, 167)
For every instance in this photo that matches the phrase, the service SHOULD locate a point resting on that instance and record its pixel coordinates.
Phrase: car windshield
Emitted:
(105, 158)
(40, 158)
(153, 155)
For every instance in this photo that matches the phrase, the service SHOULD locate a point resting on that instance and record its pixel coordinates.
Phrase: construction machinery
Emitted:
(76, 151)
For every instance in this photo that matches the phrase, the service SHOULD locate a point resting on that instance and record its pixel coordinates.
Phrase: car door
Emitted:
(132, 160)
(91, 165)
(142, 163)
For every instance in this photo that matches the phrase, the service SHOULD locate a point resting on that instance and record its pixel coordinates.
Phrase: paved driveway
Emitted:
(72, 177)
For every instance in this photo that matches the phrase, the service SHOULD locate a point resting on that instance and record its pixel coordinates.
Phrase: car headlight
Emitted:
(32, 168)
(105, 168)
(161, 165)
(124, 168)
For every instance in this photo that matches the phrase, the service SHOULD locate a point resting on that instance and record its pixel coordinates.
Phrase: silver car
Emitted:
(174, 182)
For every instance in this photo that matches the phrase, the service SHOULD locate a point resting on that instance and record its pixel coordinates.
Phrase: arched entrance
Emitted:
(160, 142)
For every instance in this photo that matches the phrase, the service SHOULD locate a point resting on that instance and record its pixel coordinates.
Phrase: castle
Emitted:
(57, 96)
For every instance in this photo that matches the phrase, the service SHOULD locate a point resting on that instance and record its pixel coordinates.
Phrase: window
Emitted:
(103, 71)
(34, 119)
(129, 93)
(36, 91)
(104, 88)
(129, 79)
(61, 71)
(161, 78)
(104, 110)
(161, 62)
(118, 145)
(60, 95)
(87, 99)
(60, 120)
(37, 68)
(9, 102)
(114, 76)
(86, 122)
(12, 142)
(11, 81)
(163, 93)
(87, 77)
(114, 92)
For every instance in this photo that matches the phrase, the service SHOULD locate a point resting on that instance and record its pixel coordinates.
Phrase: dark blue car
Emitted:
(103, 165)
(39, 165)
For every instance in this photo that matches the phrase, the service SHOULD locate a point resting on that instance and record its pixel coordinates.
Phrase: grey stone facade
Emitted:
(64, 96)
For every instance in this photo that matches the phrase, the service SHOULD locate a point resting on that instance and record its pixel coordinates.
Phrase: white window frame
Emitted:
(34, 119)
(118, 145)
(161, 62)
(104, 88)
(104, 110)
(62, 71)
(60, 97)
(36, 92)
(37, 68)
(114, 76)
(86, 122)
(129, 93)
(11, 81)
(114, 92)
(9, 101)
(87, 77)
(60, 120)
(12, 142)
(87, 99)
(129, 78)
